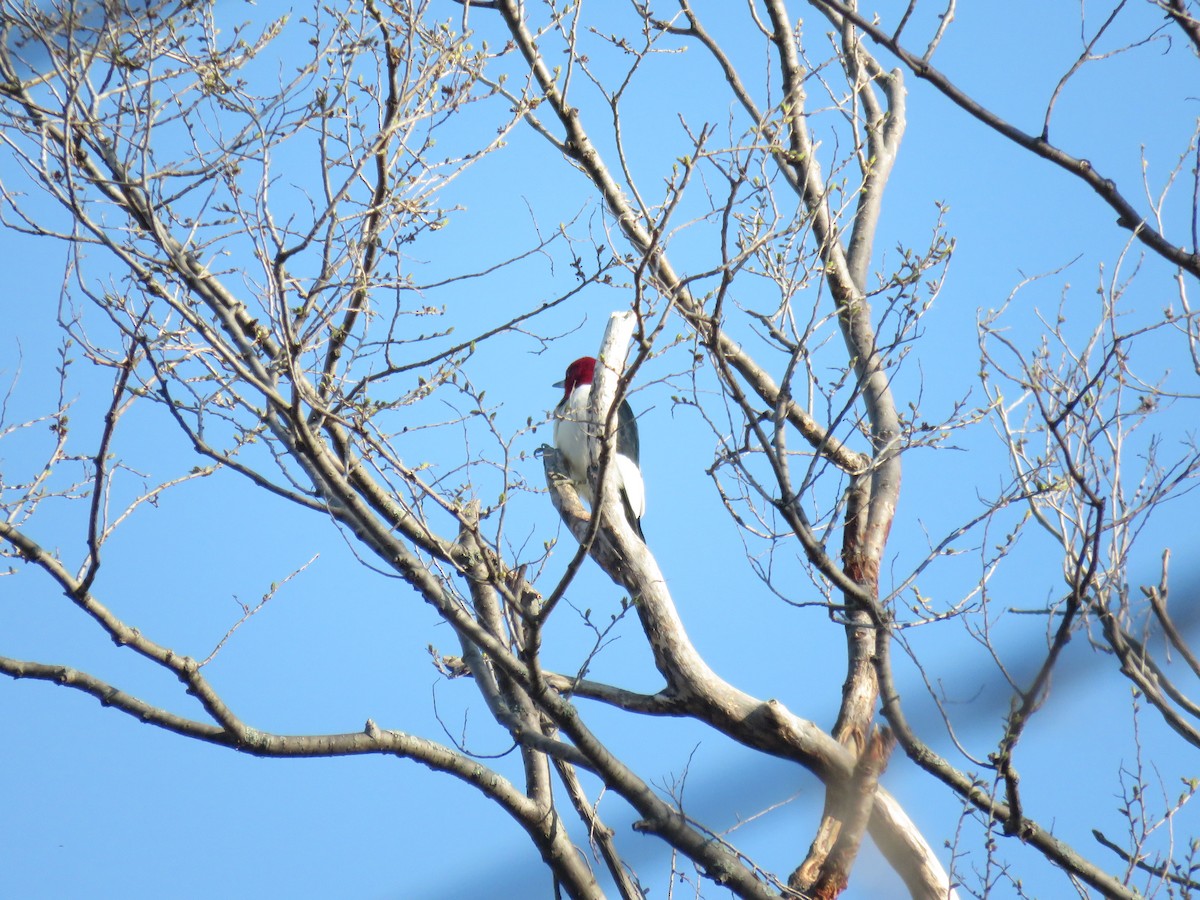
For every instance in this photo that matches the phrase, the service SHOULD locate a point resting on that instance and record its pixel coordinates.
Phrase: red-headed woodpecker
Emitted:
(577, 440)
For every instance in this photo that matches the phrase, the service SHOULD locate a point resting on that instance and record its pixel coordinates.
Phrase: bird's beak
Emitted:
(559, 384)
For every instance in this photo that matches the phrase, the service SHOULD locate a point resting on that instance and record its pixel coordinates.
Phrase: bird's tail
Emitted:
(634, 522)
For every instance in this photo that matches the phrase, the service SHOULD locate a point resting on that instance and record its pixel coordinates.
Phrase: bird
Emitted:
(577, 439)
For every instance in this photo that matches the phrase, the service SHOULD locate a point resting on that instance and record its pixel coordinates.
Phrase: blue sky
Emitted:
(101, 806)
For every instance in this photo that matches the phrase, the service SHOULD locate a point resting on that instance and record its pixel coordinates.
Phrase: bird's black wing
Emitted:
(627, 433)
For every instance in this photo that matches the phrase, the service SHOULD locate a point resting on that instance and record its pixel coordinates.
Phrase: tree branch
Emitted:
(1128, 217)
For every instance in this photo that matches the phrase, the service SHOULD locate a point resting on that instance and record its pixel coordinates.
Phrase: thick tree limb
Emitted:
(691, 685)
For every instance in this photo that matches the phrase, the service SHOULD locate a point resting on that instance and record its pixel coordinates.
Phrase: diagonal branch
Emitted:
(1127, 215)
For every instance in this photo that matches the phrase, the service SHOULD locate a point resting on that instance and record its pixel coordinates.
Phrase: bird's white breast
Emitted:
(572, 433)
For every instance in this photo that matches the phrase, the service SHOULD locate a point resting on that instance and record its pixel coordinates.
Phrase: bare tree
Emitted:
(260, 220)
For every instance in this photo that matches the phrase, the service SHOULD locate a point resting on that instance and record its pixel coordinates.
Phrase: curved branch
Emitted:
(552, 841)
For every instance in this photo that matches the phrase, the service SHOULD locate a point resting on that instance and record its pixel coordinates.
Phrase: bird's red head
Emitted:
(582, 371)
